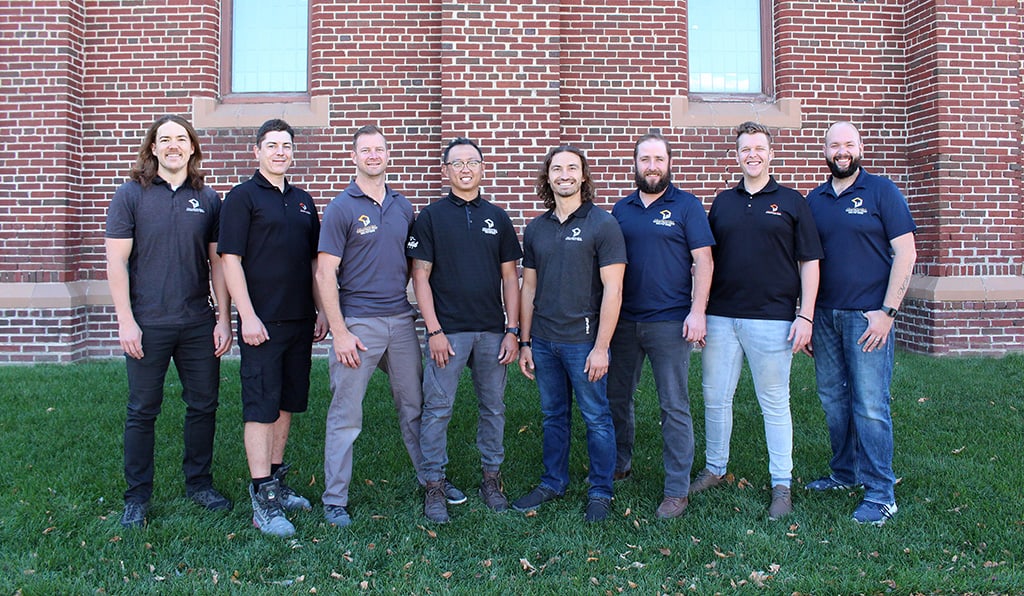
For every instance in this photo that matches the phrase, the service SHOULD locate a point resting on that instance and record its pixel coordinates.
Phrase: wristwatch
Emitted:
(892, 312)
(526, 344)
(513, 330)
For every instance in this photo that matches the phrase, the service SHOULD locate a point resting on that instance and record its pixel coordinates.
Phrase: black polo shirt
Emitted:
(759, 240)
(171, 233)
(276, 234)
(466, 242)
(568, 258)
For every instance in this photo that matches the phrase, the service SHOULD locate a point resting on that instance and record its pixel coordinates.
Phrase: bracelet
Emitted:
(433, 333)
(526, 344)
(805, 318)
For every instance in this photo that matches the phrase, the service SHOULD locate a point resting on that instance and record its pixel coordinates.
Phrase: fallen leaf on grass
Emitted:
(371, 546)
(665, 551)
(364, 585)
(312, 480)
(335, 575)
(632, 585)
(594, 581)
(694, 540)
(486, 562)
(743, 483)
(992, 564)
(958, 451)
(115, 539)
(592, 559)
(921, 400)
(347, 555)
(527, 567)
(759, 578)
(774, 567)
(447, 575)
(722, 555)
(627, 512)
(889, 582)
(531, 513)
(523, 429)
(368, 482)
(430, 533)
(48, 530)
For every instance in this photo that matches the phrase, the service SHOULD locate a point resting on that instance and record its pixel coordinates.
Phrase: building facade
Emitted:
(934, 86)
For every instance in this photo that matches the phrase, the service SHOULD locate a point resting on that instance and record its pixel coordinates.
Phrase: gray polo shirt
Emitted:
(568, 258)
(370, 241)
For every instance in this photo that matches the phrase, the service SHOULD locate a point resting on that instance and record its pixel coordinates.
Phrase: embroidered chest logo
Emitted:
(368, 228)
(574, 236)
(412, 243)
(490, 229)
(303, 209)
(857, 209)
(194, 206)
(666, 219)
(773, 209)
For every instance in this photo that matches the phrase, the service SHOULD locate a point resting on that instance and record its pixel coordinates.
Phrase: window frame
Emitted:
(229, 97)
(767, 92)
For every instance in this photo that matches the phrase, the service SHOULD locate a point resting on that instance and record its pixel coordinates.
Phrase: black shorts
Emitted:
(275, 374)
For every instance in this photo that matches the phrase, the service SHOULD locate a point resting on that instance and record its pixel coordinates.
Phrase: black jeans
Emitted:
(192, 349)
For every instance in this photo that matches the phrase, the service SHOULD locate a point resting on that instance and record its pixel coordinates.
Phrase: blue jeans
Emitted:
(559, 369)
(191, 348)
(769, 355)
(480, 352)
(854, 390)
(662, 342)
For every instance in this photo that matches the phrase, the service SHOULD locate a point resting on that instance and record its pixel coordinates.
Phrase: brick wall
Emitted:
(935, 86)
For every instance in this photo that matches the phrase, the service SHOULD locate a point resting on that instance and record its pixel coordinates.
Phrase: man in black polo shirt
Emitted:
(161, 255)
(573, 261)
(766, 257)
(464, 252)
(268, 236)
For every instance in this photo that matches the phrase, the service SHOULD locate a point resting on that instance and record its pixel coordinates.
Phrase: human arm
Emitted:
(253, 331)
(879, 323)
(695, 324)
(510, 292)
(596, 365)
(440, 348)
(129, 334)
(526, 296)
(222, 329)
(801, 329)
(346, 345)
(320, 326)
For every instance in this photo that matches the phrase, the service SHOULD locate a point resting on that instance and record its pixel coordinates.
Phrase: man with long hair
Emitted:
(574, 259)
(161, 244)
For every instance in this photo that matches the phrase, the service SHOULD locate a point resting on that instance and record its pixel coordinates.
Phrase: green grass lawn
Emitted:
(960, 528)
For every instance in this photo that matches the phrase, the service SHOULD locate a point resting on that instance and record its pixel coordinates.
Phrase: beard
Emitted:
(841, 173)
(652, 189)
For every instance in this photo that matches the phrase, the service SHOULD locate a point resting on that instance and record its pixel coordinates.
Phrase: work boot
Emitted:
(290, 500)
(435, 505)
(267, 512)
(782, 502)
(491, 492)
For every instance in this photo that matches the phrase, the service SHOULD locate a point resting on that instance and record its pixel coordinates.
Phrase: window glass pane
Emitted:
(725, 46)
(269, 46)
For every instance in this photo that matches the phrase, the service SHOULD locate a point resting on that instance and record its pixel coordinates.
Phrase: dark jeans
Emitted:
(192, 349)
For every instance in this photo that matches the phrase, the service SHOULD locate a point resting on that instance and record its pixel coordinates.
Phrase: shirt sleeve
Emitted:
(235, 217)
(510, 249)
(333, 230)
(121, 213)
(421, 239)
(894, 211)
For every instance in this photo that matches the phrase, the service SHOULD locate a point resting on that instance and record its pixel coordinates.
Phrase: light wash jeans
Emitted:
(769, 355)
(854, 390)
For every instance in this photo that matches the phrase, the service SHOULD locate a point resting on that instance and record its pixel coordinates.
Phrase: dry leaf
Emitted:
(759, 578)
(627, 512)
(990, 564)
(50, 529)
(365, 585)
(523, 429)
(631, 584)
(921, 400)
(958, 451)
(335, 575)
(743, 484)
(889, 582)
(594, 581)
(312, 480)
(112, 539)
(665, 551)
(368, 482)
(430, 533)
(447, 575)
(371, 546)
(486, 562)
(527, 567)
(774, 567)
(531, 513)
(591, 559)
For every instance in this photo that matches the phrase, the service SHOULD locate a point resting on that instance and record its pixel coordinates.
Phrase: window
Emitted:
(267, 47)
(730, 47)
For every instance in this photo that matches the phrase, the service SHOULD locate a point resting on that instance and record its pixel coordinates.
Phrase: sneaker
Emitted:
(337, 515)
(782, 502)
(134, 515)
(290, 500)
(828, 483)
(623, 475)
(267, 513)
(672, 507)
(597, 509)
(434, 505)
(491, 492)
(705, 479)
(876, 514)
(211, 500)
(535, 498)
(453, 495)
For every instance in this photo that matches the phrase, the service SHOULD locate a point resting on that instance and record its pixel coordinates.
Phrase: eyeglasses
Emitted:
(458, 165)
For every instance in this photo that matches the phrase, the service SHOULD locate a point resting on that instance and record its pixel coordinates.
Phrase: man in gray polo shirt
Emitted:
(362, 273)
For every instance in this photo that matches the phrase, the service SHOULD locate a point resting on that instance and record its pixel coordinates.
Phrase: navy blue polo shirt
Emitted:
(171, 233)
(275, 233)
(760, 240)
(568, 258)
(856, 228)
(466, 242)
(369, 238)
(659, 239)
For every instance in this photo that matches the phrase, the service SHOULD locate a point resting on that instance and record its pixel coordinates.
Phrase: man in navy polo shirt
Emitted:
(362, 273)
(573, 261)
(766, 257)
(161, 256)
(268, 237)
(464, 250)
(667, 237)
(867, 233)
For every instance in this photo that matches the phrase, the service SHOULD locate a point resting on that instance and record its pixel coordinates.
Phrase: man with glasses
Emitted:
(464, 250)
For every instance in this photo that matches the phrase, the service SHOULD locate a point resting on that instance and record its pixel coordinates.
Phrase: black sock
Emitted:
(274, 468)
(257, 482)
